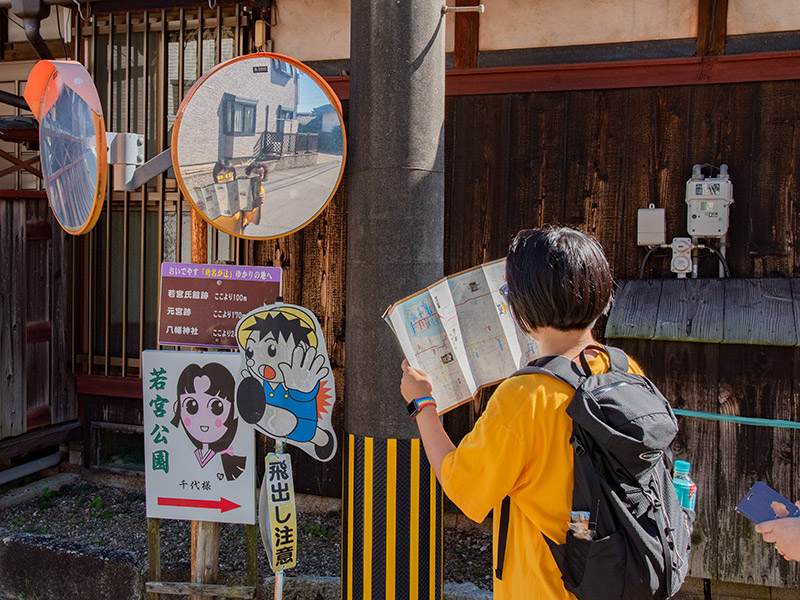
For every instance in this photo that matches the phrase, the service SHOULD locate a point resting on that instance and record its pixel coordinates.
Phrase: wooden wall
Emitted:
(591, 159)
(36, 385)
(728, 458)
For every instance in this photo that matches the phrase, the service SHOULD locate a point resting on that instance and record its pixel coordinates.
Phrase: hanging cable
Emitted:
(8, 16)
(719, 256)
(80, 12)
(60, 33)
(646, 256)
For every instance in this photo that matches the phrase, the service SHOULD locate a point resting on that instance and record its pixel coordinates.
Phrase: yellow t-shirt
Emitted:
(520, 447)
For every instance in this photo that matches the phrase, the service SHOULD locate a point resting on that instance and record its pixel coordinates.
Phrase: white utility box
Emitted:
(651, 228)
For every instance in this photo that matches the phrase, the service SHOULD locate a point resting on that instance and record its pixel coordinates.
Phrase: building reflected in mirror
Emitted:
(259, 146)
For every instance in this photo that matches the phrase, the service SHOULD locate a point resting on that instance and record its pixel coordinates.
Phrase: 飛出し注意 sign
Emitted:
(277, 516)
(201, 304)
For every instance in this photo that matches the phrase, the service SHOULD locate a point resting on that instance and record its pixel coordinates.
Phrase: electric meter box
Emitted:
(707, 206)
(651, 228)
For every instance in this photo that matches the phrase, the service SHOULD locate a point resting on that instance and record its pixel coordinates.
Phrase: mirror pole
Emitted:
(392, 528)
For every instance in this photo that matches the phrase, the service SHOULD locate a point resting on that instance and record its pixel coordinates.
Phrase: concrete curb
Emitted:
(42, 567)
(328, 588)
(37, 488)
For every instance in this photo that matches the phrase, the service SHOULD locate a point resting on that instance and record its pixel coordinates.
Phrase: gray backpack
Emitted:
(621, 432)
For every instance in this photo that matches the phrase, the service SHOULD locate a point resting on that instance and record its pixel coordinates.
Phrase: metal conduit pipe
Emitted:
(30, 468)
(13, 100)
(34, 36)
(32, 12)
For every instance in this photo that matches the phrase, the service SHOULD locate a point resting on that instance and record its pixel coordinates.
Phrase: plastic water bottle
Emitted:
(684, 486)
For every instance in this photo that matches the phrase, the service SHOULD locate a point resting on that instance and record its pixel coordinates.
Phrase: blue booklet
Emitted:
(762, 503)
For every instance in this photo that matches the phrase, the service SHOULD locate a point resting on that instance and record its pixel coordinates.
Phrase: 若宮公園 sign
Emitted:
(199, 455)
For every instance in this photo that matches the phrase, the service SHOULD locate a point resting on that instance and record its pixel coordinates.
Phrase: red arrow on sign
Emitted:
(223, 504)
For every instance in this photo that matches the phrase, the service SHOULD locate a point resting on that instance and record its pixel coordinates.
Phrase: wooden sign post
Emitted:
(205, 535)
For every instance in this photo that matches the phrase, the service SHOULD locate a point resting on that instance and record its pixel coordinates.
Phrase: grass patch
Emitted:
(320, 530)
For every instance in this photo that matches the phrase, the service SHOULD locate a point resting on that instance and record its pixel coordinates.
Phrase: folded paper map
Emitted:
(460, 331)
(226, 199)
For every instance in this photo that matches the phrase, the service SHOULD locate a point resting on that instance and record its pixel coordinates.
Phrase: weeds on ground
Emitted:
(49, 498)
(234, 534)
(323, 530)
(17, 524)
(98, 509)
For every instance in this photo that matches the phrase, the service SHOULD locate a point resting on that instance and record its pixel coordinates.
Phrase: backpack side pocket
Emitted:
(592, 569)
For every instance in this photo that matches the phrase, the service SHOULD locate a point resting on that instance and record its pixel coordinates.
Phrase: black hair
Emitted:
(222, 385)
(256, 165)
(557, 277)
(223, 165)
(279, 325)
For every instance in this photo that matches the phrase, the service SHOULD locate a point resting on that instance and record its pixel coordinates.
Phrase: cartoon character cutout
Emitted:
(287, 390)
(205, 409)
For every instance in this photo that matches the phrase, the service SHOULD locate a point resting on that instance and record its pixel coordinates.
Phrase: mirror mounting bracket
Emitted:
(126, 153)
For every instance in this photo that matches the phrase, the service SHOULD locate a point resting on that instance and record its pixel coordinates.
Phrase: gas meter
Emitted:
(708, 199)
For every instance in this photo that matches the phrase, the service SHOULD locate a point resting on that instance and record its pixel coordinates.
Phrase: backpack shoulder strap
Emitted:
(617, 358)
(556, 366)
(502, 536)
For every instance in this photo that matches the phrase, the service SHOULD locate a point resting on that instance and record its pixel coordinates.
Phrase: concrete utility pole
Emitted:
(392, 519)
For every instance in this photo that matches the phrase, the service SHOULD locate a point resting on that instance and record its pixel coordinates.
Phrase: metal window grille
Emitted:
(142, 64)
(118, 447)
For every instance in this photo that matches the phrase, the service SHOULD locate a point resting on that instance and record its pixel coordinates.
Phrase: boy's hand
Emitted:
(415, 383)
(784, 533)
(307, 369)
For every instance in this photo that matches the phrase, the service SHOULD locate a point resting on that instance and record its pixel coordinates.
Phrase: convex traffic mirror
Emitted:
(259, 145)
(62, 97)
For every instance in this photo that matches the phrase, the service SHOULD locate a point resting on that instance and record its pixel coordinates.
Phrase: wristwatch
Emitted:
(418, 404)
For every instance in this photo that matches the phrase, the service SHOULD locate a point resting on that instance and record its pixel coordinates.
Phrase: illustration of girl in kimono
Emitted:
(205, 407)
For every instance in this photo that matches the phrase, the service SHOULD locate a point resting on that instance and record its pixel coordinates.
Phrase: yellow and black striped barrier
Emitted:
(391, 522)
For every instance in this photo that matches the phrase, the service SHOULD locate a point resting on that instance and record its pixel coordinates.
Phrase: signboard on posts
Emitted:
(200, 305)
(199, 455)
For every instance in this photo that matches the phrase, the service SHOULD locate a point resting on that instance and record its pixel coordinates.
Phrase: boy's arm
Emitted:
(414, 385)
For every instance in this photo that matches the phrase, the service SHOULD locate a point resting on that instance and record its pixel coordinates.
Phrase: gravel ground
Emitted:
(109, 520)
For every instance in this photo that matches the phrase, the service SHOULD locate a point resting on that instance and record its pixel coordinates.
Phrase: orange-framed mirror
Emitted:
(72, 141)
(259, 145)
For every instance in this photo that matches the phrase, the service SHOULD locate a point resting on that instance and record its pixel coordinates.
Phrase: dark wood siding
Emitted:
(591, 160)
(37, 386)
(728, 458)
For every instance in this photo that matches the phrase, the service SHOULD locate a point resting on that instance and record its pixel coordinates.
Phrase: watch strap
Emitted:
(418, 404)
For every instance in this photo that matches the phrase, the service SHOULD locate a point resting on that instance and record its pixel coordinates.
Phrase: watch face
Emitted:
(412, 408)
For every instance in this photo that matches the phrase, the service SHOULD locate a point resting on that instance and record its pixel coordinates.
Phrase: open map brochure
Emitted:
(226, 199)
(460, 331)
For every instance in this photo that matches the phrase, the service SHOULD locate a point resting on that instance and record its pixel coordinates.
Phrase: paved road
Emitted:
(294, 196)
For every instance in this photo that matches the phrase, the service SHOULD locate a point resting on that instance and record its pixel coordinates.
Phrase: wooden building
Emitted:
(556, 112)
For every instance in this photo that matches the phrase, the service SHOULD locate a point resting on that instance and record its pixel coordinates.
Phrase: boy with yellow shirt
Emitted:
(559, 283)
